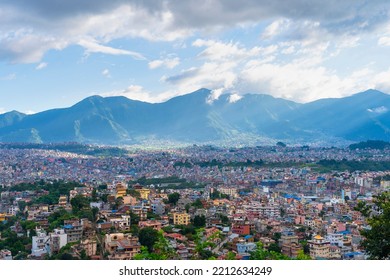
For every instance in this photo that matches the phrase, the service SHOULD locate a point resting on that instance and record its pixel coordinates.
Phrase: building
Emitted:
(57, 239)
(120, 222)
(121, 246)
(181, 219)
(244, 249)
(90, 246)
(241, 229)
(40, 243)
(335, 239)
(63, 200)
(120, 190)
(231, 192)
(141, 211)
(144, 193)
(73, 229)
(289, 244)
(158, 207)
(5, 254)
(319, 248)
(153, 224)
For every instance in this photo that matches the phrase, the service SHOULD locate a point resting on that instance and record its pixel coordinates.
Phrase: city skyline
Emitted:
(53, 53)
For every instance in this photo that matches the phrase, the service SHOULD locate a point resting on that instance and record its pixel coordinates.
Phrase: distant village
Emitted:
(195, 203)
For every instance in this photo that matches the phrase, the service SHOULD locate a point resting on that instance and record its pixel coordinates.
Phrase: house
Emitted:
(153, 224)
(40, 243)
(121, 246)
(319, 248)
(5, 254)
(181, 218)
(241, 229)
(73, 229)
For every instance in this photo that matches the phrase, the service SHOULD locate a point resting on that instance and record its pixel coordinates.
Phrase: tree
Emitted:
(230, 256)
(148, 237)
(173, 198)
(274, 247)
(198, 203)
(79, 202)
(199, 221)
(261, 254)
(377, 237)
(302, 256)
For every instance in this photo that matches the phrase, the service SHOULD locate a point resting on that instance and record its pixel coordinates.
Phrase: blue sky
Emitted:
(54, 53)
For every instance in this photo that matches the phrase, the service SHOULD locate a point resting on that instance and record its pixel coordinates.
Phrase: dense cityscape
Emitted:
(196, 202)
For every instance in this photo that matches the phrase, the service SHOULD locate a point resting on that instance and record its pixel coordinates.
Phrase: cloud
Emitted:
(169, 63)
(384, 41)
(378, 110)
(134, 92)
(41, 66)
(91, 46)
(8, 77)
(106, 73)
(233, 98)
(59, 24)
(24, 46)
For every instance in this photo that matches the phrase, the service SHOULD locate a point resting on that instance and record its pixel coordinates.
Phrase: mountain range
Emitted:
(191, 118)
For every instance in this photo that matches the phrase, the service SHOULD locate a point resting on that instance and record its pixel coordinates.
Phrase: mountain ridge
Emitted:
(190, 118)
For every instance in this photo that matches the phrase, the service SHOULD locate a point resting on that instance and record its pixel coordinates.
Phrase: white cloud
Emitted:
(92, 46)
(233, 98)
(106, 73)
(41, 66)
(169, 63)
(275, 28)
(8, 77)
(25, 46)
(384, 41)
(378, 110)
(381, 81)
(55, 27)
(219, 51)
(134, 92)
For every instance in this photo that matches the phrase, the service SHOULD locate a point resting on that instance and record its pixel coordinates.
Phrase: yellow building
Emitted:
(319, 248)
(144, 193)
(63, 200)
(181, 218)
(120, 190)
(2, 217)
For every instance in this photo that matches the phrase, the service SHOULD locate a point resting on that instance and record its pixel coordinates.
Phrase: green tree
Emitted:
(79, 202)
(274, 247)
(377, 238)
(230, 256)
(148, 237)
(261, 254)
(173, 198)
(199, 221)
(302, 256)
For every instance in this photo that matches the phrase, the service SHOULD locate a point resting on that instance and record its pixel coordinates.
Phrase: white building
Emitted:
(58, 239)
(40, 243)
(335, 239)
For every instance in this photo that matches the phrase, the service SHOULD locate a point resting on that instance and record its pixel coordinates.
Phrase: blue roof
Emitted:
(344, 232)
(353, 253)
(248, 236)
(68, 226)
(292, 196)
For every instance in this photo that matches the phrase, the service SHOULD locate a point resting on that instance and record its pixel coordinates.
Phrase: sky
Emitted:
(54, 53)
